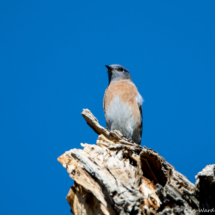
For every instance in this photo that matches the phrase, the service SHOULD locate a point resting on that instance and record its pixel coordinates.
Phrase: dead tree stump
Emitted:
(120, 177)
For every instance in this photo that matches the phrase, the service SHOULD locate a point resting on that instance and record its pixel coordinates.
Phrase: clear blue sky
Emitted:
(52, 57)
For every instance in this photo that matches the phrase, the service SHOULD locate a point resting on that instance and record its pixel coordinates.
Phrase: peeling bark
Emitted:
(120, 177)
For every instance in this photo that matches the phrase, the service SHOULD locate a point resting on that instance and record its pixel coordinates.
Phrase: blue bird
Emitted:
(122, 104)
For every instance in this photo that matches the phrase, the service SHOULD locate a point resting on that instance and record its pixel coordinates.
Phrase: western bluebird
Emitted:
(122, 104)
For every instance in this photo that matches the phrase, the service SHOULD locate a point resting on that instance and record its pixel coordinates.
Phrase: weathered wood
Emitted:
(205, 188)
(120, 177)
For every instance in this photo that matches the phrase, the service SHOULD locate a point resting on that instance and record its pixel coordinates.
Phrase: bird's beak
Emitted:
(108, 67)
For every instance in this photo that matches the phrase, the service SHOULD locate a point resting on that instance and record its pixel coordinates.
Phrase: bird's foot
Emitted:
(130, 140)
(124, 137)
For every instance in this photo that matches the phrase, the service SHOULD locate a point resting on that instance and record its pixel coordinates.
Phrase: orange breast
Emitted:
(127, 92)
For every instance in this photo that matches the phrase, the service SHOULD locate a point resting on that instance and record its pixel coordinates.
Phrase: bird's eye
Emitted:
(120, 69)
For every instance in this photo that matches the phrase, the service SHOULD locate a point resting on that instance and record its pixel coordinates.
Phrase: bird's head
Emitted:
(117, 72)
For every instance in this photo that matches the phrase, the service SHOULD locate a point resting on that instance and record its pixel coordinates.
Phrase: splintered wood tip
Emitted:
(61, 158)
